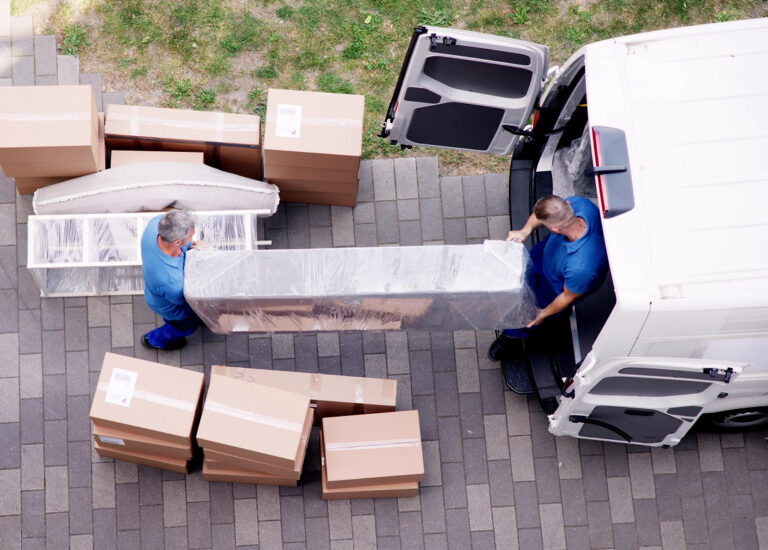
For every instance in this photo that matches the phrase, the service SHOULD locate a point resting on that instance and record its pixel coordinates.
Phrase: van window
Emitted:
(646, 387)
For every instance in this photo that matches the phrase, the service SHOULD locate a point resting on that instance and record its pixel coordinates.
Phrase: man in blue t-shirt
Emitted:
(567, 265)
(164, 244)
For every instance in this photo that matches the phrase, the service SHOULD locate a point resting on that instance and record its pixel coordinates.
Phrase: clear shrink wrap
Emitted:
(94, 254)
(474, 287)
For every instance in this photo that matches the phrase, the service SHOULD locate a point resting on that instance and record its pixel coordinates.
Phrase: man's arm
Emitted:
(520, 235)
(561, 302)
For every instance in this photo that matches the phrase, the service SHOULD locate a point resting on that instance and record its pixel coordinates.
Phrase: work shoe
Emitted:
(502, 346)
(178, 344)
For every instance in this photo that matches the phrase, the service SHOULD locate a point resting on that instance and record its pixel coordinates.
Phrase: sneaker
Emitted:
(178, 344)
(496, 350)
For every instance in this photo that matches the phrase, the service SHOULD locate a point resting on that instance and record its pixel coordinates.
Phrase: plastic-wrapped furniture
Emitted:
(100, 254)
(472, 287)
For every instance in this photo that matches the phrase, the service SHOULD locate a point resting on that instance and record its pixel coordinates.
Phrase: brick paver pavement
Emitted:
(494, 477)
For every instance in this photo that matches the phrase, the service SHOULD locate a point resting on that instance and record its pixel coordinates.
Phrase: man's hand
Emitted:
(537, 321)
(199, 244)
(517, 236)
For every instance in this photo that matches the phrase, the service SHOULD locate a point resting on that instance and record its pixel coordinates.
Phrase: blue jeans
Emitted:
(173, 331)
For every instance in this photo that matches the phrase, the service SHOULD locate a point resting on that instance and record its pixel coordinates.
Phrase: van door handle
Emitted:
(599, 170)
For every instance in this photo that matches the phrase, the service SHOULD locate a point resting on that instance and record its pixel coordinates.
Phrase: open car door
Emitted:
(642, 400)
(465, 90)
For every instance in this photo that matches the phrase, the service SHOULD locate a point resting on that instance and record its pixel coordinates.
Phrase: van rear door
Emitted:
(642, 400)
(465, 90)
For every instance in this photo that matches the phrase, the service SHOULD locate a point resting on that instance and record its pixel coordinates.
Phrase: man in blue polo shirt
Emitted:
(164, 244)
(569, 264)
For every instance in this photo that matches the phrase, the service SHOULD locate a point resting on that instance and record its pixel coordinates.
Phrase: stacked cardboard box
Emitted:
(48, 134)
(145, 412)
(230, 142)
(312, 145)
(329, 394)
(122, 158)
(371, 455)
(251, 433)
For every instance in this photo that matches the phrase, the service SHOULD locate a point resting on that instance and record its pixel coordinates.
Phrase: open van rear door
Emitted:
(465, 90)
(642, 400)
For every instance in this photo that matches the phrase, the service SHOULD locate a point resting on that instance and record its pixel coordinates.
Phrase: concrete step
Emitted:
(45, 55)
(68, 70)
(94, 79)
(116, 98)
(22, 35)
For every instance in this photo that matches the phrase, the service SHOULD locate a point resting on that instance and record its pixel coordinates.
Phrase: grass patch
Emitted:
(225, 54)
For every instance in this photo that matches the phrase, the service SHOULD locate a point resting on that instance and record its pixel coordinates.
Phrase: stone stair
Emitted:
(27, 59)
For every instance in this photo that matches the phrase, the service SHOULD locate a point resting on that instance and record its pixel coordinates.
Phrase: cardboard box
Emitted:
(147, 399)
(121, 158)
(308, 197)
(384, 490)
(48, 131)
(313, 137)
(255, 422)
(330, 394)
(236, 462)
(229, 141)
(123, 441)
(212, 471)
(373, 449)
(156, 461)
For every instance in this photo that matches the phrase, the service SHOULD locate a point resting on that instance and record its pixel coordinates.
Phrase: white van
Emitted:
(671, 130)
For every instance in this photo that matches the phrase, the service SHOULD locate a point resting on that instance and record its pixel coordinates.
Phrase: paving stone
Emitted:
(80, 511)
(526, 504)
(9, 399)
(104, 529)
(479, 499)
(10, 492)
(127, 506)
(573, 502)
(492, 390)
(174, 504)
(32, 513)
(568, 458)
(9, 355)
(474, 196)
(410, 233)
(22, 32)
(663, 461)
(32, 467)
(8, 268)
(543, 443)
(298, 227)
(552, 526)
(10, 445)
(126, 472)
(620, 497)
(340, 519)
(408, 210)
(384, 180)
(81, 542)
(710, 453)
(641, 475)
(364, 213)
(521, 455)
(409, 504)
(246, 522)
(386, 516)
(616, 462)
(103, 484)
(387, 228)
(30, 330)
(452, 197)
(322, 237)
(411, 533)
(431, 219)
(455, 231)
(475, 461)
(292, 516)
(29, 292)
(365, 235)
(23, 71)
(668, 497)
(342, 226)
(57, 531)
(595, 484)
(116, 98)
(406, 178)
(450, 439)
(56, 489)
(497, 194)
(54, 397)
(547, 480)
(496, 444)
(45, 55)
(428, 177)
(457, 523)
(7, 217)
(647, 522)
(199, 524)
(122, 325)
(32, 424)
(599, 519)
(6, 67)
(468, 376)
(68, 70)
(175, 538)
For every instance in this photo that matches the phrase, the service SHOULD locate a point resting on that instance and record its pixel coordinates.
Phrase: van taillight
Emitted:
(536, 117)
(611, 168)
(600, 177)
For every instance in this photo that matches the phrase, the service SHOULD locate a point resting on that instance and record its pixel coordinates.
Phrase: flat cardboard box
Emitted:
(147, 459)
(212, 471)
(308, 197)
(229, 141)
(319, 179)
(124, 441)
(235, 462)
(384, 490)
(121, 158)
(253, 421)
(372, 449)
(48, 131)
(330, 394)
(313, 129)
(147, 398)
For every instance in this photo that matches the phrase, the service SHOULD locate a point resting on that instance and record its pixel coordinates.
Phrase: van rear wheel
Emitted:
(736, 421)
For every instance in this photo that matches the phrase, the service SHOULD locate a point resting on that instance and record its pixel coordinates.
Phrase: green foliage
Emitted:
(74, 41)
(520, 15)
(284, 12)
(329, 81)
(243, 33)
(204, 99)
(257, 102)
(268, 72)
(440, 17)
(178, 91)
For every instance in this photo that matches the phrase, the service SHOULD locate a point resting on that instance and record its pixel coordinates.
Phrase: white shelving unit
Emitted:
(100, 254)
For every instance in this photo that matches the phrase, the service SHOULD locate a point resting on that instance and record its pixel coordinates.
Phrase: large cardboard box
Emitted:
(214, 471)
(123, 441)
(384, 490)
(314, 140)
(330, 394)
(229, 141)
(235, 462)
(373, 449)
(48, 131)
(148, 399)
(253, 421)
(121, 158)
(147, 459)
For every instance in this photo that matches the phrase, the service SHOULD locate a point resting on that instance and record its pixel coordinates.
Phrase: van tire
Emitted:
(735, 421)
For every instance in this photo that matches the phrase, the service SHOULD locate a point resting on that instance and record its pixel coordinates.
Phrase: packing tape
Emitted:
(250, 416)
(218, 124)
(330, 121)
(43, 117)
(375, 444)
(157, 398)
